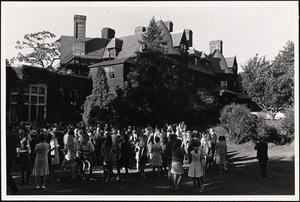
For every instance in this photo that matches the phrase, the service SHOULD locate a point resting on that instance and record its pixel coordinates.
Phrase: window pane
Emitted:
(33, 113)
(34, 89)
(14, 98)
(26, 89)
(33, 99)
(112, 72)
(41, 90)
(41, 99)
(26, 99)
(41, 113)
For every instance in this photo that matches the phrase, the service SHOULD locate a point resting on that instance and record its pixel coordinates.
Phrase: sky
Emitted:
(246, 28)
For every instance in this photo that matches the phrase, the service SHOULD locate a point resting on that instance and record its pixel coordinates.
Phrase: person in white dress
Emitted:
(197, 167)
(156, 160)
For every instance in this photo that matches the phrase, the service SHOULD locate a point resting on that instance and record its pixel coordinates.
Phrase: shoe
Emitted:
(43, 187)
(118, 178)
(37, 187)
(58, 180)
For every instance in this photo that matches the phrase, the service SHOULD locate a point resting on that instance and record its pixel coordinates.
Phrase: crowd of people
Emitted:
(42, 151)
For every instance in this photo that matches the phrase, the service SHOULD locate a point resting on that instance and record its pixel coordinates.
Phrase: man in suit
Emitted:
(262, 156)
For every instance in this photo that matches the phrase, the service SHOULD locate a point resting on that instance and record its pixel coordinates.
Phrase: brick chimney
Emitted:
(217, 44)
(139, 30)
(169, 25)
(108, 33)
(79, 35)
(189, 37)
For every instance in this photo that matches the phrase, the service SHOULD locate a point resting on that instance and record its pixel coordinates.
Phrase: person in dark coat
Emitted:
(11, 148)
(126, 151)
(169, 146)
(262, 156)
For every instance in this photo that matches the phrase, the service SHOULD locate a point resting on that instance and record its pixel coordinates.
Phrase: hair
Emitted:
(126, 138)
(42, 137)
(221, 138)
(173, 137)
(157, 139)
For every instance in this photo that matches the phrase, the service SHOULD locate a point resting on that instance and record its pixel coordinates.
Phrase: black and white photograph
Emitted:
(150, 100)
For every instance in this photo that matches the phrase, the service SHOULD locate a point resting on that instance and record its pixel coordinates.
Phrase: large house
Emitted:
(81, 56)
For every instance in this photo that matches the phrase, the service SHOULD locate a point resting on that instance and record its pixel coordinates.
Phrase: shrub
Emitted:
(288, 127)
(239, 123)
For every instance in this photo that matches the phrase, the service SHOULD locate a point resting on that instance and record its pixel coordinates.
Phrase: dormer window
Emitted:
(110, 72)
(196, 61)
(182, 48)
(224, 84)
(112, 53)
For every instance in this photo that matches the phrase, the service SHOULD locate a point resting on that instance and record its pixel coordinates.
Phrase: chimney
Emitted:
(189, 37)
(169, 25)
(108, 33)
(139, 30)
(79, 35)
(213, 45)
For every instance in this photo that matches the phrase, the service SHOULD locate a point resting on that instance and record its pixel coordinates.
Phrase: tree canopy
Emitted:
(38, 49)
(157, 83)
(271, 83)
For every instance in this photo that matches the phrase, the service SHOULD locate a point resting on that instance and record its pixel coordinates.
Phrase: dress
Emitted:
(177, 160)
(71, 147)
(220, 152)
(196, 168)
(54, 153)
(156, 155)
(41, 167)
(126, 151)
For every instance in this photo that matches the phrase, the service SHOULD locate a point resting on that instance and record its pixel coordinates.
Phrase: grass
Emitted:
(242, 178)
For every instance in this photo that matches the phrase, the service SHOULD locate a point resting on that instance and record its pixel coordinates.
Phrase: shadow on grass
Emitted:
(242, 178)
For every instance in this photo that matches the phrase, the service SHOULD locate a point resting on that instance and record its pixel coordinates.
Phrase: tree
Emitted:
(157, 83)
(270, 83)
(39, 51)
(96, 104)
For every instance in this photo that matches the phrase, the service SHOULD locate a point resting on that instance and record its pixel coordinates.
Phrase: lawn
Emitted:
(242, 178)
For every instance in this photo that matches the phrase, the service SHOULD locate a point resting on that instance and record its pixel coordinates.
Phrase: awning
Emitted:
(243, 96)
(220, 89)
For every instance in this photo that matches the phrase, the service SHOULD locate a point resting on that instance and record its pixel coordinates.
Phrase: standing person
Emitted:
(11, 147)
(156, 160)
(206, 147)
(86, 149)
(143, 159)
(54, 146)
(164, 157)
(24, 156)
(70, 149)
(262, 156)
(169, 147)
(126, 152)
(41, 167)
(177, 163)
(108, 158)
(221, 151)
(197, 166)
(213, 140)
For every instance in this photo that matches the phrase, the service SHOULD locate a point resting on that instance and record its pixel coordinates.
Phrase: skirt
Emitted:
(177, 168)
(220, 159)
(40, 167)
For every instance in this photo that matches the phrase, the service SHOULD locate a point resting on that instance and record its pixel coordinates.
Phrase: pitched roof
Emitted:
(167, 37)
(201, 69)
(230, 61)
(218, 62)
(94, 48)
(109, 62)
(176, 38)
(130, 46)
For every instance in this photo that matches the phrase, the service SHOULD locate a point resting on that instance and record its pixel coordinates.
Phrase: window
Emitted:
(182, 48)
(112, 53)
(110, 72)
(75, 96)
(224, 84)
(35, 97)
(196, 62)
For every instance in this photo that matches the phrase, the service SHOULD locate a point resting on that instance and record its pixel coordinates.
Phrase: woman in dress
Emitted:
(164, 157)
(108, 158)
(41, 167)
(54, 152)
(221, 150)
(70, 149)
(24, 156)
(197, 166)
(156, 160)
(86, 149)
(177, 163)
(142, 154)
(126, 151)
